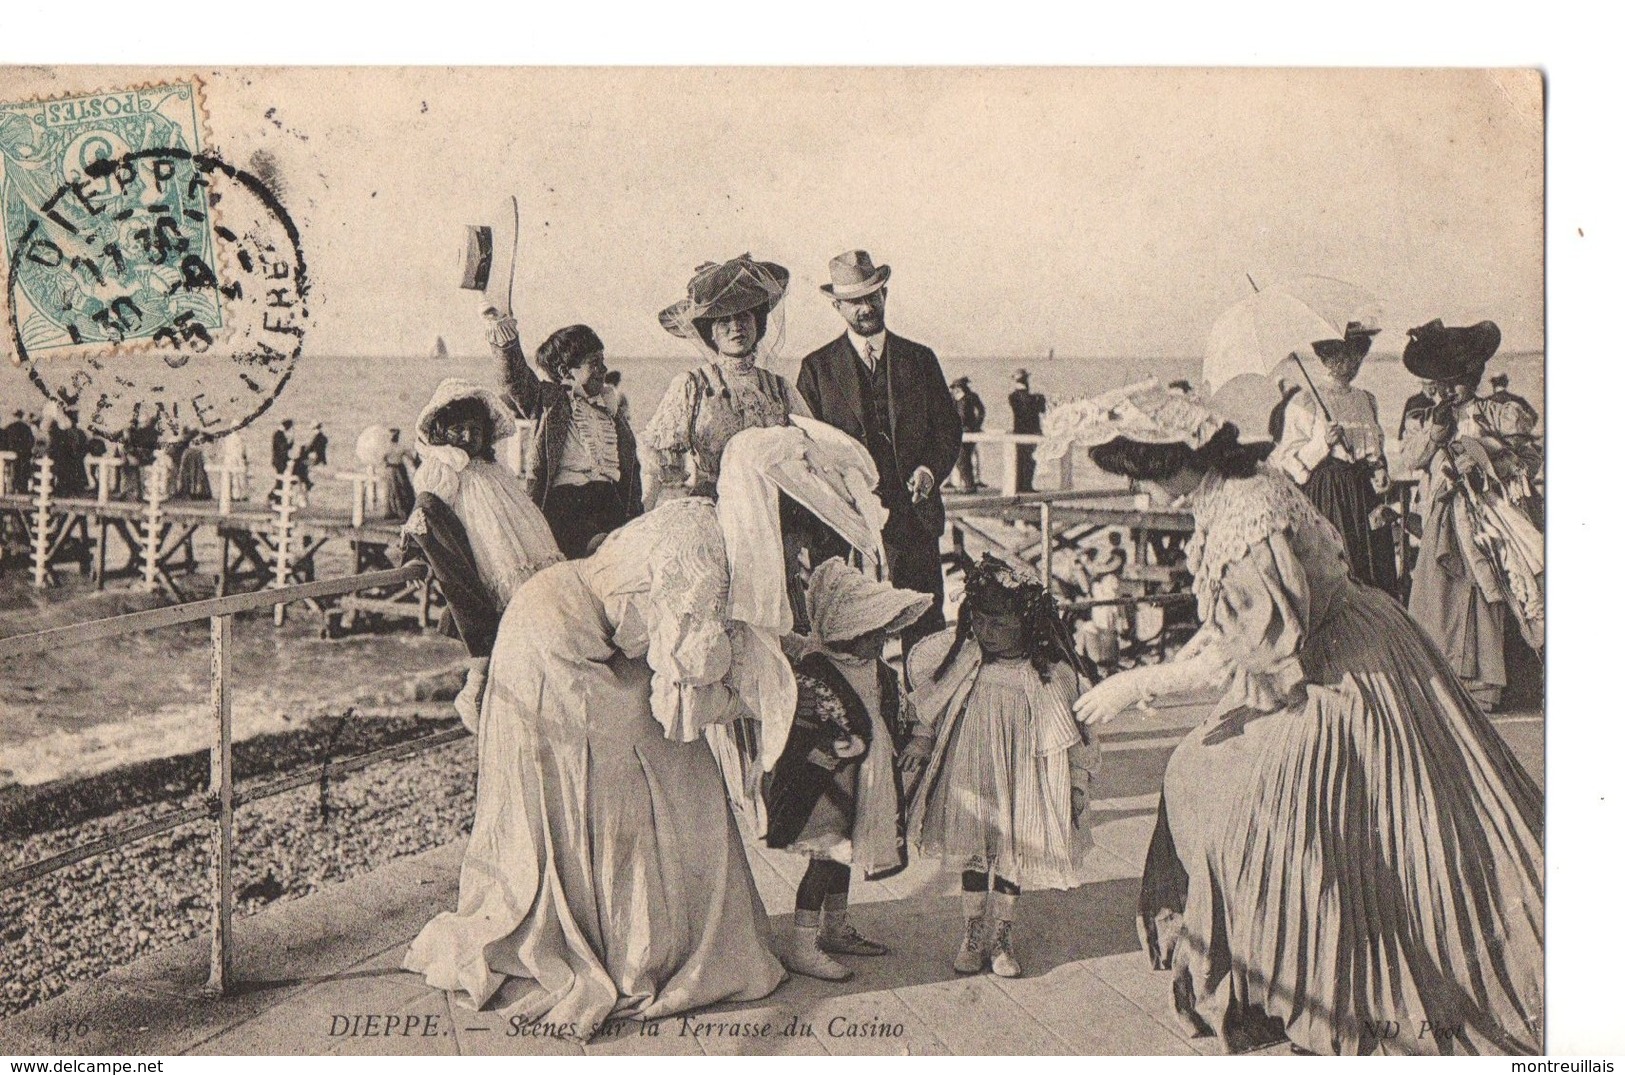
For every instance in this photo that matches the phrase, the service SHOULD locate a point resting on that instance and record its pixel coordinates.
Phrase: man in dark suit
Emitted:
(282, 446)
(890, 394)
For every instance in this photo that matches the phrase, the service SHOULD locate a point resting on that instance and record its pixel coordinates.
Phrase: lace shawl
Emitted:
(1234, 514)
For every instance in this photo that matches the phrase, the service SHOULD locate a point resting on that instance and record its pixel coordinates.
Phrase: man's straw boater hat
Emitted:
(853, 275)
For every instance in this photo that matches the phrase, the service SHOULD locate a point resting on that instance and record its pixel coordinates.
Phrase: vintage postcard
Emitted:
(707, 561)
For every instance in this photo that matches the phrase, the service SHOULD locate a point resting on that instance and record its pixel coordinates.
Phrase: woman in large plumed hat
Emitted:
(730, 315)
(1345, 843)
(1482, 558)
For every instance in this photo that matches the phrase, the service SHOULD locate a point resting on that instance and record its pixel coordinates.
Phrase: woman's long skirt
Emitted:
(1447, 601)
(1362, 872)
(604, 871)
(1343, 493)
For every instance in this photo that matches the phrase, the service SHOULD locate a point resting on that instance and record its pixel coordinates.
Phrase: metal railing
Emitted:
(221, 799)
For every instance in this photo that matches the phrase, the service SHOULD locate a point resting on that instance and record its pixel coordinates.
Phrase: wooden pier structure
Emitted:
(155, 539)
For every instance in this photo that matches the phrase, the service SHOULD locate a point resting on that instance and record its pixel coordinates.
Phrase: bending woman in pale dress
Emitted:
(604, 874)
(1346, 844)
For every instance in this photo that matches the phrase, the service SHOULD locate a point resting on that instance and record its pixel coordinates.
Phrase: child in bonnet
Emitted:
(473, 522)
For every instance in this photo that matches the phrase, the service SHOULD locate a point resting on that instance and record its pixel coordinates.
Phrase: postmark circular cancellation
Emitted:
(146, 279)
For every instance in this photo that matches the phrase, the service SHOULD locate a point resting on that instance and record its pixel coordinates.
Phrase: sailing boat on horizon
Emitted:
(441, 351)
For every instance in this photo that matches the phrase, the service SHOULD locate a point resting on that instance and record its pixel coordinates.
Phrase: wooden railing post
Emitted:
(1007, 459)
(42, 522)
(518, 451)
(103, 465)
(220, 789)
(223, 476)
(157, 490)
(1063, 470)
(285, 509)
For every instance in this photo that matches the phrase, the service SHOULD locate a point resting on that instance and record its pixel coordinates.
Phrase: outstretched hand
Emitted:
(921, 483)
(1106, 699)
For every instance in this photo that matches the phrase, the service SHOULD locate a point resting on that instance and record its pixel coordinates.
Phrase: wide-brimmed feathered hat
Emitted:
(736, 285)
(1439, 353)
(1148, 413)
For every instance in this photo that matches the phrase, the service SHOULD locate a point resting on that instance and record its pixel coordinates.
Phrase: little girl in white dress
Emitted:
(1005, 769)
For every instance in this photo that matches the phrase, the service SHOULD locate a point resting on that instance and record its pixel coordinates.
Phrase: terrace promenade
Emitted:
(321, 975)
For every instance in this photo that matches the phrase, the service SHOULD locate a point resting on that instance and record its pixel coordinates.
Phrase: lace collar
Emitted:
(1234, 514)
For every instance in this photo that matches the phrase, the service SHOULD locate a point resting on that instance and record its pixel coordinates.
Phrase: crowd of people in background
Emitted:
(138, 449)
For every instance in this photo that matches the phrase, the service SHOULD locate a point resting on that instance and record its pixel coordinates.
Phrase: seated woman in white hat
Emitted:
(477, 528)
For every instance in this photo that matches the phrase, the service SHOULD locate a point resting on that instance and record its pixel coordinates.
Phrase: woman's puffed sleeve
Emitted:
(691, 656)
(1257, 624)
(666, 440)
(1303, 440)
(690, 651)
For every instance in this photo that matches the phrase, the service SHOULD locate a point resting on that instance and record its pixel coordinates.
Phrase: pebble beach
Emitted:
(89, 918)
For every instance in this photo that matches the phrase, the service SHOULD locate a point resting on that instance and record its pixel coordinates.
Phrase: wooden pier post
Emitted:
(103, 465)
(1046, 509)
(42, 522)
(518, 447)
(360, 492)
(1063, 470)
(220, 790)
(285, 509)
(1007, 460)
(222, 474)
(152, 538)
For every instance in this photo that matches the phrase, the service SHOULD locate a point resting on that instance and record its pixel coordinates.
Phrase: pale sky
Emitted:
(1096, 212)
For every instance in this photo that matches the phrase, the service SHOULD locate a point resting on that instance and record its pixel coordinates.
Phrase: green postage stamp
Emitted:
(146, 279)
(116, 281)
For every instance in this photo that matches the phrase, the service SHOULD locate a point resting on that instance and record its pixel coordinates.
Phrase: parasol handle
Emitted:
(1311, 383)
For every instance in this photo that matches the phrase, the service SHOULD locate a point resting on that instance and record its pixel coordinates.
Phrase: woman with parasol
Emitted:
(1331, 445)
(1346, 842)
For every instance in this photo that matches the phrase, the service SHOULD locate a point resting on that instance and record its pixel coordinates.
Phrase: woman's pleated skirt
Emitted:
(1362, 872)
